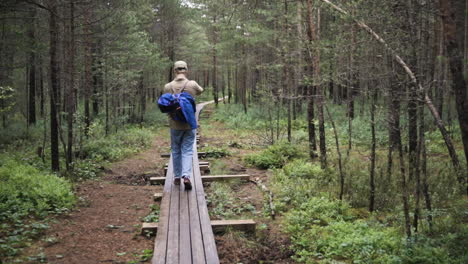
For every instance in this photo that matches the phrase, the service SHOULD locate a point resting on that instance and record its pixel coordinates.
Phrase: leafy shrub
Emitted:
(118, 145)
(215, 152)
(322, 228)
(297, 182)
(318, 211)
(304, 169)
(86, 169)
(26, 192)
(325, 230)
(274, 156)
(356, 241)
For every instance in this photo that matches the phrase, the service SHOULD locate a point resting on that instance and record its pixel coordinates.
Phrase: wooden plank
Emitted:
(204, 168)
(160, 244)
(218, 226)
(207, 178)
(198, 252)
(185, 254)
(198, 239)
(202, 163)
(241, 225)
(210, 178)
(157, 180)
(172, 255)
(167, 155)
(149, 227)
(211, 253)
(157, 197)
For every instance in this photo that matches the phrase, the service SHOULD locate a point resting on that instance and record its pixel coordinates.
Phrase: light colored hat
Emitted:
(180, 64)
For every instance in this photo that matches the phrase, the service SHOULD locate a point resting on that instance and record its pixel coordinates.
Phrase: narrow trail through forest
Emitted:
(105, 226)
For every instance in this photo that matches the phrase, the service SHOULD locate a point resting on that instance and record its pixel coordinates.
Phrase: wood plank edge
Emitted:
(157, 197)
(219, 226)
(156, 180)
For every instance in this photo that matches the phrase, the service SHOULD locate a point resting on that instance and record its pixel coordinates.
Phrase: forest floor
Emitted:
(105, 226)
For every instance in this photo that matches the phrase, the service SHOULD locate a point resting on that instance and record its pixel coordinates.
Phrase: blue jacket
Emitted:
(168, 103)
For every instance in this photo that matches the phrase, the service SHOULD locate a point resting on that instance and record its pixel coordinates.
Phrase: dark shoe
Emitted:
(187, 184)
(177, 181)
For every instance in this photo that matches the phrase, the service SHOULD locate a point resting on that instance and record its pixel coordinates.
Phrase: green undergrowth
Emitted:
(30, 192)
(275, 156)
(215, 152)
(27, 196)
(224, 204)
(98, 152)
(325, 230)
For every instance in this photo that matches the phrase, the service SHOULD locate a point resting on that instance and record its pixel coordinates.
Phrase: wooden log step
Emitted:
(157, 197)
(210, 178)
(206, 178)
(167, 155)
(205, 168)
(201, 163)
(149, 227)
(157, 180)
(218, 226)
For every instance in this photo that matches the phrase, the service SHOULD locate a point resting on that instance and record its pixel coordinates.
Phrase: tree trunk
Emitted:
(455, 56)
(352, 86)
(32, 70)
(229, 83)
(41, 89)
(337, 143)
(425, 184)
(323, 143)
(373, 152)
(97, 76)
(71, 85)
(413, 95)
(215, 78)
(310, 88)
(404, 192)
(54, 85)
(87, 69)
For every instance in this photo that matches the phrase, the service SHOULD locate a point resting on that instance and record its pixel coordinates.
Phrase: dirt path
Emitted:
(105, 227)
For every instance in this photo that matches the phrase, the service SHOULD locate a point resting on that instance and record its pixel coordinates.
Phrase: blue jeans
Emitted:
(182, 151)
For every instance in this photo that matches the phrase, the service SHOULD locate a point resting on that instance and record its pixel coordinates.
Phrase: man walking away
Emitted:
(182, 134)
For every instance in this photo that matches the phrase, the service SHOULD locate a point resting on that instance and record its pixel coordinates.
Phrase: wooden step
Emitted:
(206, 178)
(200, 162)
(167, 155)
(218, 226)
(210, 178)
(157, 197)
(205, 168)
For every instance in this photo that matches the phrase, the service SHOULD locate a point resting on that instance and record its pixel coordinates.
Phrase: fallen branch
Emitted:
(265, 189)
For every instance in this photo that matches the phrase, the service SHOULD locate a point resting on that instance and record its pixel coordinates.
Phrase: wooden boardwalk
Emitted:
(184, 233)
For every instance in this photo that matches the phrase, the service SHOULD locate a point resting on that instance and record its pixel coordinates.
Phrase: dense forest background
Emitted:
(373, 92)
